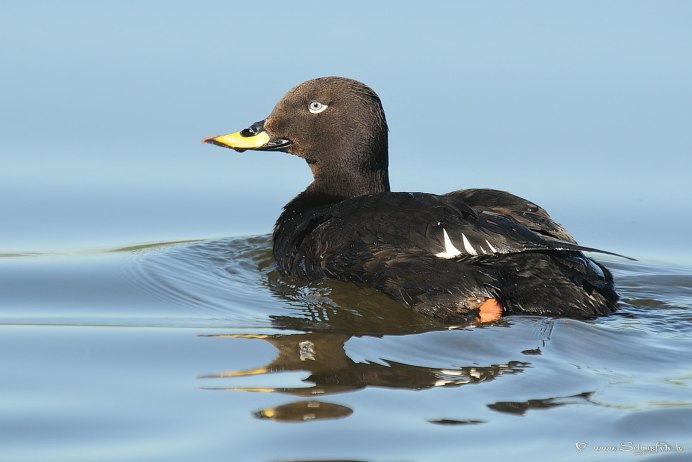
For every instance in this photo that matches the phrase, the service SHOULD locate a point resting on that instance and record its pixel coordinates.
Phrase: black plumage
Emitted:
(443, 255)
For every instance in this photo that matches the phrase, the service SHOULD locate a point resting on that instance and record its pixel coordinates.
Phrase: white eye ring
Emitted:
(316, 107)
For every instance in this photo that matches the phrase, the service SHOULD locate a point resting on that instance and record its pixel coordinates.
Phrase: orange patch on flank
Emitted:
(490, 311)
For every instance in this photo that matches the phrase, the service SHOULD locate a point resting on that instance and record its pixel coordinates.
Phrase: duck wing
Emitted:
(446, 226)
(519, 209)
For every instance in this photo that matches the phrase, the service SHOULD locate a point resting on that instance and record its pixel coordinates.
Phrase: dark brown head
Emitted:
(336, 124)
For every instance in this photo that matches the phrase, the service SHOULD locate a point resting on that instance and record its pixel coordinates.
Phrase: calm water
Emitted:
(197, 351)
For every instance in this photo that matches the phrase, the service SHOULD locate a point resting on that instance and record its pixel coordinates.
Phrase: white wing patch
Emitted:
(450, 250)
(492, 249)
(453, 252)
(467, 245)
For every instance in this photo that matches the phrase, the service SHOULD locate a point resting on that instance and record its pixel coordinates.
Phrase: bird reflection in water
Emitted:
(330, 315)
(319, 323)
(330, 370)
(321, 318)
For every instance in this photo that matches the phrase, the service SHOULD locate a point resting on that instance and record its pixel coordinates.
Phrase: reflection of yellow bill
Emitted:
(246, 372)
(237, 141)
(268, 412)
(260, 336)
(302, 411)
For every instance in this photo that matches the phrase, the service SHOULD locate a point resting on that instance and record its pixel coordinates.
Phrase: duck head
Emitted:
(336, 124)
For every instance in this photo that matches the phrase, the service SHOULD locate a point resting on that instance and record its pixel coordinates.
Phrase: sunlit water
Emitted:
(198, 351)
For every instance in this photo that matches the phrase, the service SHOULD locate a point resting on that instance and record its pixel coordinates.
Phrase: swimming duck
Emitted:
(468, 255)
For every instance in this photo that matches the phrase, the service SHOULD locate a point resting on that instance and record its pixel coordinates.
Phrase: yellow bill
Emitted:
(237, 141)
(253, 137)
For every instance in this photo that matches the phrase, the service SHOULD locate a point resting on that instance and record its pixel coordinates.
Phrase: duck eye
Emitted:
(316, 107)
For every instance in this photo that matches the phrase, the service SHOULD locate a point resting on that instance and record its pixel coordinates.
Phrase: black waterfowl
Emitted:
(468, 254)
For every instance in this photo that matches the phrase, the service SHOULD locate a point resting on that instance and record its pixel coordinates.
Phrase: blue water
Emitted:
(198, 350)
(141, 317)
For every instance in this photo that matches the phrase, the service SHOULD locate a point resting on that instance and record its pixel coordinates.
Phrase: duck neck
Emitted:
(326, 190)
(359, 167)
(363, 170)
(343, 185)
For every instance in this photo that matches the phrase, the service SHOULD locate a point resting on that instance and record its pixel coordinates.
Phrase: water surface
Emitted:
(137, 325)
(197, 350)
